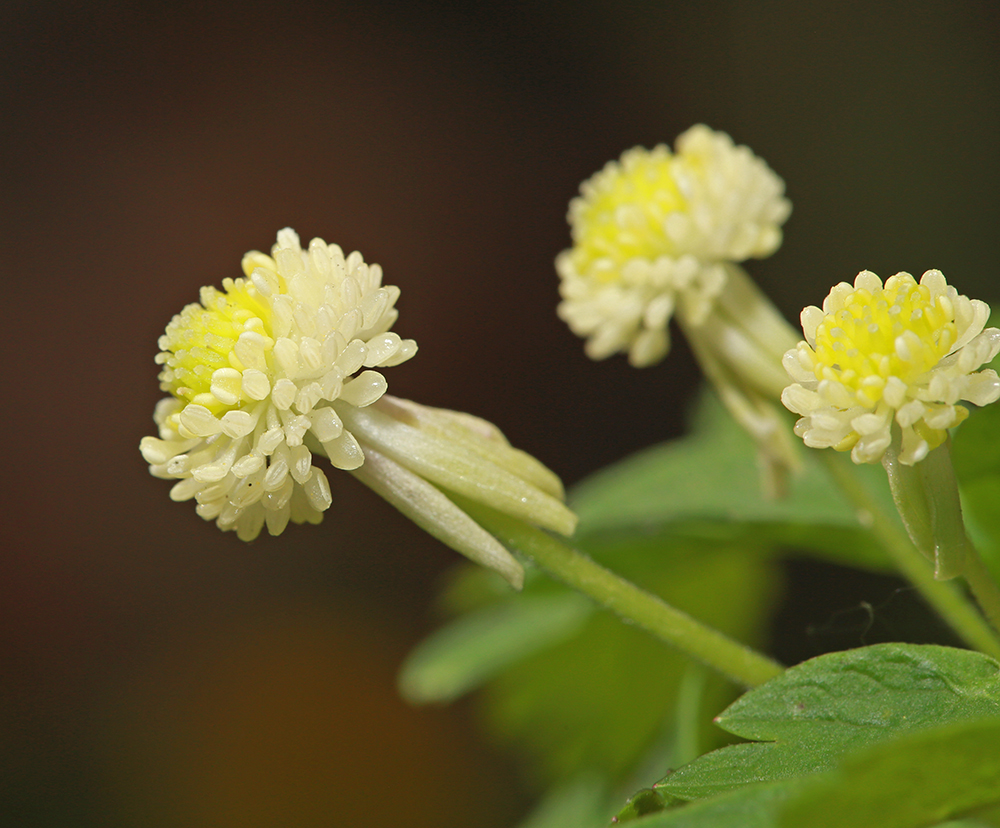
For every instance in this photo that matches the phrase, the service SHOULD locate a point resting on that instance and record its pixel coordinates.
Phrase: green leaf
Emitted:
(890, 736)
(916, 780)
(755, 806)
(815, 712)
(600, 699)
(647, 801)
(975, 447)
(706, 485)
(990, 818)
(476, 647)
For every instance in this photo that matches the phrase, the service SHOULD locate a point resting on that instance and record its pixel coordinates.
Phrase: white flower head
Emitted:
(903, 353)
(651, 234)
(264, 369)
(276, 368)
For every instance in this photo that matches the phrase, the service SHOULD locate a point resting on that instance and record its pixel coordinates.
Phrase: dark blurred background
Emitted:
(155, 672)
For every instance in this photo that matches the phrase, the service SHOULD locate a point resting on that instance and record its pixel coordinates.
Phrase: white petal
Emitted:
(810, 319)
(910, 413)
(800, 400)
(982, 388)
(326, 425)
(317, 489)
(255, 384)
(364, 389)
(277, 519)
(867, 280)
(913, 449)
(283, 394)
(237, 423)
(300, 463)
(276, 474)
(199, 421)
(227, 385)
(869, 424)
(344, 451)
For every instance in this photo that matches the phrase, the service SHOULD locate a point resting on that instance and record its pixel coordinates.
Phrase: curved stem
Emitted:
(983, 587)
(738, 662)
(944, 596)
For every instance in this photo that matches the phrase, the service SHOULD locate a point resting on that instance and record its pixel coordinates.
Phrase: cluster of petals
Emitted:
(276, 369)
(651, 234)
(261, 373)
(877, 358)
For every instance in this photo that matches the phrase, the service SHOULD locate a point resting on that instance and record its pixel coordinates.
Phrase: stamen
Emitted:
(892, 358)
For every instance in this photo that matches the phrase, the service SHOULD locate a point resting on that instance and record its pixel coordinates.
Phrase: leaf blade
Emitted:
(918, 779)
(836, 703)
(475, 648)
(705, 485)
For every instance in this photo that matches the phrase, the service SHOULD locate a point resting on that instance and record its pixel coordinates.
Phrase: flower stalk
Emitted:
(944, 596)
(983, 587)
(414, 453)
(739, 345)
(736, 661)
(926, 496)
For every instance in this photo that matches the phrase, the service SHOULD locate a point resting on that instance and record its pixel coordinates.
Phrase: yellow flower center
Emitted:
(622, 217)
(899, 331)
(205, 337)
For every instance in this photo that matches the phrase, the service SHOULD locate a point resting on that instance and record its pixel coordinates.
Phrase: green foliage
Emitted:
(600, 699)
(751, 807)
(706, 486)
(917, 778)
(581, 694)
(595, 706)
(829, 705)
(890, 736)
(573, 687)
(976, 456)
(478, 647)
(583, 802)
(646, 801)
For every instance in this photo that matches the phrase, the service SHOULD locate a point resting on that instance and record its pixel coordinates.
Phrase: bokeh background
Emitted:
(155, 672)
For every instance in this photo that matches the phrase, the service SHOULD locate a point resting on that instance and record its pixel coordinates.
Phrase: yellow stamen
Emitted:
(622, 216)
(897, 331)
(202, 339)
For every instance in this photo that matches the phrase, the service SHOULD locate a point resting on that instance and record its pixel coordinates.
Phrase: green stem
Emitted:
(944, 596)
(689, 714)
(983, 587)
(734, 660)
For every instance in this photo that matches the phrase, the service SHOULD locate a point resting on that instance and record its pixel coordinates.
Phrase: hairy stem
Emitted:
(734, 660)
